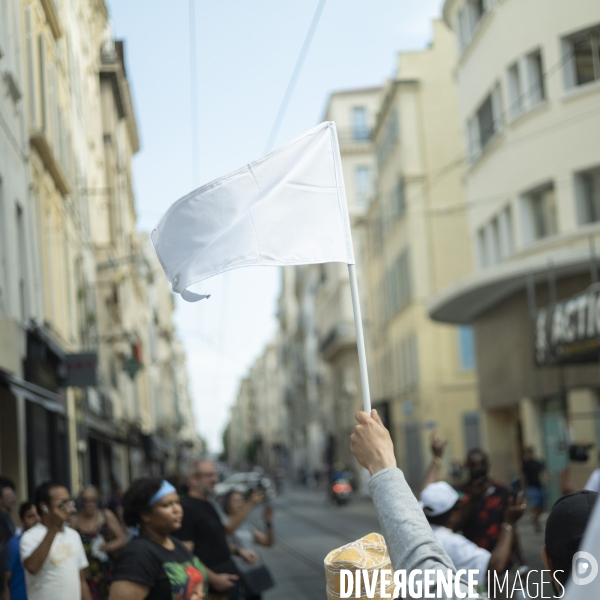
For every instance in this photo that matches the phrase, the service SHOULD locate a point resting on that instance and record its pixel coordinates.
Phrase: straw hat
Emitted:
(370, 552)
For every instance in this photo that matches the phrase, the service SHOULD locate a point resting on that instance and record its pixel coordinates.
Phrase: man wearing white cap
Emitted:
(442, 507)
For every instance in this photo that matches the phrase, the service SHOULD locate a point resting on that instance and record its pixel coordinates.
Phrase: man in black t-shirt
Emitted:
(204, 534)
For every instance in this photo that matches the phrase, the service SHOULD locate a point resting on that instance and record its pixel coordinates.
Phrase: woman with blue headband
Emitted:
(155, 565)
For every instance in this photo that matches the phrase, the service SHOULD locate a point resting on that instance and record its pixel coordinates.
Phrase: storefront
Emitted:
(33, 434)
(538, 368)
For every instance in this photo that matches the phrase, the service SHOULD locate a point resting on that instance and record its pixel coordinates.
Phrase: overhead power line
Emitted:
(294, 78)
(194, 94)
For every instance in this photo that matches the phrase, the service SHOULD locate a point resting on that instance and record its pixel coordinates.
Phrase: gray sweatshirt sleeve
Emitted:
(409, 537)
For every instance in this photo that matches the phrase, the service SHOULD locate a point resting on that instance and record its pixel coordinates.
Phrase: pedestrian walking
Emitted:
(102, 536)
(533, 470)
(52, 552)
(14, 575)
(154, 565)
(203, 532)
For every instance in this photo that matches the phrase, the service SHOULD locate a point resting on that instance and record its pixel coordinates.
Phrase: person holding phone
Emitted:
(52, 552)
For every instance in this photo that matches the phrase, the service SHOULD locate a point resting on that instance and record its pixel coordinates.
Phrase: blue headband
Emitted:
(165, 489)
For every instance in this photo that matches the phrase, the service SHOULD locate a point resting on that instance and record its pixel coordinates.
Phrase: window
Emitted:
(398, 283)
(583, 57)
(396, 204)
(485, 123)
(22, 264)
(399, 199)
(409, 363)
(540, 213)
(507, 244)
(389, 137)
(363, 185)
(482, 249)
(495, 240)
(535, 74)
(485, 120)
(468, 18)
(30, 67)
(360, 125)
(466, 345)
(515, 90)
(588, 195)
(471, 431)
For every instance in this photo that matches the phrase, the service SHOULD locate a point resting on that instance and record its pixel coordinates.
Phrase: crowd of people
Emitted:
(156, 543)
(153, 544)
(424, 535)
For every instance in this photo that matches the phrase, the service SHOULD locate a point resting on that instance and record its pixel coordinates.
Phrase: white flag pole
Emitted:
(360, 341)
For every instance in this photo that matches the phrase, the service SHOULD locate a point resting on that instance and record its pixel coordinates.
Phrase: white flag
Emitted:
(287, 208)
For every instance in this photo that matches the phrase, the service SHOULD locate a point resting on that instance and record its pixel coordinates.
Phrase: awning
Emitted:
(34, 393)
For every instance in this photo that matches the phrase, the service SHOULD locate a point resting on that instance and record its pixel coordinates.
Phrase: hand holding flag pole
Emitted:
(287, 208)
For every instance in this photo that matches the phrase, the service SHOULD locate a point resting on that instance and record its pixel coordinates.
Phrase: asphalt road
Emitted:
(307, 527)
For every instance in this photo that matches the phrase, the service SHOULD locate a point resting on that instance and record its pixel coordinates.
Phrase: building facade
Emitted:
(529, 91)
(93, 386)
(422, 373)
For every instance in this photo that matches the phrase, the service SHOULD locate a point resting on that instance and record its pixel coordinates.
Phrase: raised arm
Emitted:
(234, 521)
(433, 472)
(409, 538)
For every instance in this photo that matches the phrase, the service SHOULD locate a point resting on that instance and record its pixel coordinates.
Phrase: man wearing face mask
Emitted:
(52, 553)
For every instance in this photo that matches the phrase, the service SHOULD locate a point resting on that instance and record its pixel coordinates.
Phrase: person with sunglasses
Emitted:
(52, 553)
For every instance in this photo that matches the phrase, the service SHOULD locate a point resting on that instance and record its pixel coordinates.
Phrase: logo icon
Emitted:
(585, 568)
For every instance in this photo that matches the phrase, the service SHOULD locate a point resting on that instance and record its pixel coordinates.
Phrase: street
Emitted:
(307, 526)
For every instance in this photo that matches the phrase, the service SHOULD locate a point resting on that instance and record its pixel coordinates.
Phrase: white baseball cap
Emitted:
(438, 498)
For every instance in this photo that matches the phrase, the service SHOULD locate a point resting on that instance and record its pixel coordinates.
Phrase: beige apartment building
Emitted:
(422, 372)
(258, 429)
(529, 87)
(78, 284)
(354, 112)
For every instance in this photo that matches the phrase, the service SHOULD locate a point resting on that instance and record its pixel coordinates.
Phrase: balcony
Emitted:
(340, 337)
(354, 140)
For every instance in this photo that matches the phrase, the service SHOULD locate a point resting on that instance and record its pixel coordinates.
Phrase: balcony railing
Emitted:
(354, 136)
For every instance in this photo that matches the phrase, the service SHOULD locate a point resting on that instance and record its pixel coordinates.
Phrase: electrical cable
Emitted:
(194, 95)
(294, 78)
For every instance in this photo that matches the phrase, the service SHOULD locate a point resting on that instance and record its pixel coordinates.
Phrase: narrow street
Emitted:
(307, 528)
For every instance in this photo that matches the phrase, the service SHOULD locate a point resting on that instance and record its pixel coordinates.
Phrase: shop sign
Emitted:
(569, 331)
(81, 369)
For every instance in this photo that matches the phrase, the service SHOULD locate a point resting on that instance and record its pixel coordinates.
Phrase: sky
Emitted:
(245, 54)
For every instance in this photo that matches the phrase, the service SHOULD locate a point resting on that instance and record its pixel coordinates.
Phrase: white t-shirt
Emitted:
(58, 579)
(463, 553)
(593, 483)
